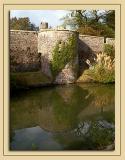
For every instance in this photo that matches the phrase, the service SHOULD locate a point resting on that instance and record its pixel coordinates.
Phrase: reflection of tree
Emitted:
(103, 94)
(65, 110)
(102, 102)
(49, 108)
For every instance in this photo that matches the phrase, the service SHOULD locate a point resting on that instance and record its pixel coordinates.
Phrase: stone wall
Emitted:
(88, 47)
(93, 43)
(110, 41)
(24, 51)
(32, 51)
(47, 40)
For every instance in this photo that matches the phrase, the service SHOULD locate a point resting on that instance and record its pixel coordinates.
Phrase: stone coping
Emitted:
(64, 30)
(59, 30)
(44, 30)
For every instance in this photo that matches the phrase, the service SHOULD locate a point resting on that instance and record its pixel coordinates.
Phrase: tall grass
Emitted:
(102, 71)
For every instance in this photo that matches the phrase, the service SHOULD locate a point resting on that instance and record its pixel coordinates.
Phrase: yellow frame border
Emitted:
(5, 4)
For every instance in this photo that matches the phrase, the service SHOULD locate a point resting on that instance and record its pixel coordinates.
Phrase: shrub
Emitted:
(109, 50)
(103, 71)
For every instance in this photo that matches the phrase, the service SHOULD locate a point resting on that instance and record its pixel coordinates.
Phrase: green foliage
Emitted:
(89, 31)
(22, 24)
(109, 50)
(100, 137)
(94, 22)
(97, 30)
(102, 71)
(101, 74)
(103, 30)
(104, 75)
(63, 53)
(110, 19)
(106, 31)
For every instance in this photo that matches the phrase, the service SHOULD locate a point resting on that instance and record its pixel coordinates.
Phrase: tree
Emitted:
(68, 20)
(94, 22)
(110, 19)
(22, 24)
(76, 18)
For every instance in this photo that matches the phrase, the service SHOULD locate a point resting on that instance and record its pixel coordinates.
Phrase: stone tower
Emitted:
(47, 41)
(43, 25)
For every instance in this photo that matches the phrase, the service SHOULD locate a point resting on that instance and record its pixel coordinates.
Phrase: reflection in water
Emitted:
(34, 138)
(71, 117)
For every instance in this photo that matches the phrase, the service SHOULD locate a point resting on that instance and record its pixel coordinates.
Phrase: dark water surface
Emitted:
(68, 117)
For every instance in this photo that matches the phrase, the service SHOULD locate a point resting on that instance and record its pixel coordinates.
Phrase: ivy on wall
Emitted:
(63, 53)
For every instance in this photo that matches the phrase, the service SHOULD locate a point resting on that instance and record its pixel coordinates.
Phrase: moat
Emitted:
(63, 117)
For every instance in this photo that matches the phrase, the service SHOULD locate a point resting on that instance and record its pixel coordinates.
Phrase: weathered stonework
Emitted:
(23, 51)
(93, 43)
(31, 51)
(110, 41)
(47, 40)
(88, 47)
(43, 25)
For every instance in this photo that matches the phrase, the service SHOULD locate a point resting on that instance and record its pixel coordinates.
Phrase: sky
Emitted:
(37, 16)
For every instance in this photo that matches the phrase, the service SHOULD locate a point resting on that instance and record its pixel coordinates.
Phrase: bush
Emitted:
(109, 50)
(88, 31)
(103, 71)
(103, 75)
(97, 30)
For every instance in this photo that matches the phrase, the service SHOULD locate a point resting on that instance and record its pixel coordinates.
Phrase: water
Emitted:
(71, 117)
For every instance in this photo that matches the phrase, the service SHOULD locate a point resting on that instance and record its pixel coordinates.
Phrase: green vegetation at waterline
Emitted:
(103, 71)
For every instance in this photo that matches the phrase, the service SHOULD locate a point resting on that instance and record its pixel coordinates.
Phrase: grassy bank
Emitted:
(103, 71)
(21, 80)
